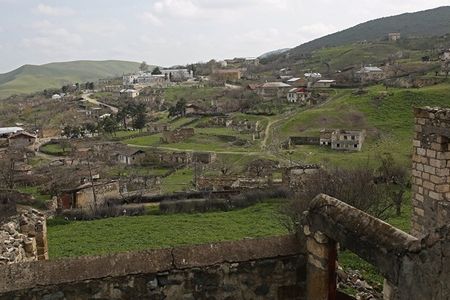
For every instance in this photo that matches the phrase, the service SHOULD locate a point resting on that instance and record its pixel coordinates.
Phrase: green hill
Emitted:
(32, 78)
(433, 22)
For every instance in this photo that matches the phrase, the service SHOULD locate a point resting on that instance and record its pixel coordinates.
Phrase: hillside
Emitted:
(32, 78)
(433, 22)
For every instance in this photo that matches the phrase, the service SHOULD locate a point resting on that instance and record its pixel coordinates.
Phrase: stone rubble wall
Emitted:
(23, 238)
(268, 268)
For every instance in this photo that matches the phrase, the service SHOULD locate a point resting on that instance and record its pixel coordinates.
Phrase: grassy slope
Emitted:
(389, 125)
(157, 231)
(31, 78)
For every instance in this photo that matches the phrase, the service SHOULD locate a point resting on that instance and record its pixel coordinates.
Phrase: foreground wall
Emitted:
(271, 268)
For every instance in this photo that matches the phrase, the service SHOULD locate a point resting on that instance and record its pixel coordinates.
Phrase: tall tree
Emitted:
(140, 120)
(144, 67)
(156, 71)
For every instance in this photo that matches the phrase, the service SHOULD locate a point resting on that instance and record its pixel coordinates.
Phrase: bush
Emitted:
(214, 203)
(103, 212)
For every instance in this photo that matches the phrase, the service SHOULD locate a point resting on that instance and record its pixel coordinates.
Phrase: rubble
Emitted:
(23, 238)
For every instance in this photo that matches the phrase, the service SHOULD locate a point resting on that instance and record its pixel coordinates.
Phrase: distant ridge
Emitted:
(33, 78)
(432, 22)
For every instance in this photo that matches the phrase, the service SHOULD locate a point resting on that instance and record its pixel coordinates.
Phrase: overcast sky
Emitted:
(168, 32)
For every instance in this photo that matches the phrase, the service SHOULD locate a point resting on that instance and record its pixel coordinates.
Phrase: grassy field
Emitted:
(158, 231)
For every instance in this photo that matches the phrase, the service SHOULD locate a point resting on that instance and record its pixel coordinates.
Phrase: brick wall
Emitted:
(430, 170)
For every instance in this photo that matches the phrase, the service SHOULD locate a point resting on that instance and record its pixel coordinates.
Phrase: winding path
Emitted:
(87, 97)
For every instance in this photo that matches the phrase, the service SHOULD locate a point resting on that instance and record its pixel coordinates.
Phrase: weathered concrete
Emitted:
(270, 268)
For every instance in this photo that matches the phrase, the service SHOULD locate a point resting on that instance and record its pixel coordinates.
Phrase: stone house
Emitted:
(204, 157)
(370, 74)
(83, 196)
(246, 126)
(394, 36)
(192, 109)
(130, 156)
(325, 137)
(174, 158)
(22, 140)
(445, 55)
(349, 140)
(129, 93)
(273, 90)
(345, 140)
(158, 128)
(220, 121)
(177, 135)
(298, 95)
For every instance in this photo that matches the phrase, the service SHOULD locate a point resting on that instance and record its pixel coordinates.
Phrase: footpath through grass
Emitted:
(122, 234)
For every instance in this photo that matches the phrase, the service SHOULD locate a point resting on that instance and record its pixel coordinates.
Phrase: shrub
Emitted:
(103, 212)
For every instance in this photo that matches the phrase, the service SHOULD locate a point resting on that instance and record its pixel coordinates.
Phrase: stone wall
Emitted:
(23, 238)
(430, 170)
(270, 268)
(414, 269)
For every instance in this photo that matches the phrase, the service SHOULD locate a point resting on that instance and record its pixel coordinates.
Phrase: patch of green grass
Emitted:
(54, 149)
(41, 199)
(159, 231)
(179, 181)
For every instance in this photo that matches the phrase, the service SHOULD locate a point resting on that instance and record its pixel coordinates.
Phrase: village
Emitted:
(224, 136)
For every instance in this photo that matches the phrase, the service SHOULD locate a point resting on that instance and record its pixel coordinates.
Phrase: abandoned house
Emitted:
(273, 90)
(6, 132)
(204, 157)
(298, 95)
(82, 196)
(324, 83)
(177, 135)
(158, 128)
(129, 93)
(22, 140)
(370, 74)
(192, 110)
(394, 36)
(346, 140)
(130, 156)
(297, 82)
(174, 158)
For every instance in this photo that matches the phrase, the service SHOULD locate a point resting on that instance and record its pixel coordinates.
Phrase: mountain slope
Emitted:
(32, 78)
(433, 22)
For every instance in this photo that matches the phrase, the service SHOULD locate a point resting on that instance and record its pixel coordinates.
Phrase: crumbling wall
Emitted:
(270, 268)
(430, 170)
(414, 269)
(23, 238)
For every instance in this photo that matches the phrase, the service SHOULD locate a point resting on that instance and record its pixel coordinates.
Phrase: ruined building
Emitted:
(303, 267)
